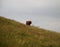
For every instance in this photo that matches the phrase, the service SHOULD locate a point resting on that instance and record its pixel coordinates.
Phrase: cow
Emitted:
(28, 22)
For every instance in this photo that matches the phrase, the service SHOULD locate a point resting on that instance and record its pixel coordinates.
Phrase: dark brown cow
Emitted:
(28, 22)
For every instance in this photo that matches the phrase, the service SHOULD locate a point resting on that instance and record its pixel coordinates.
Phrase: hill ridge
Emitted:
(15, 34)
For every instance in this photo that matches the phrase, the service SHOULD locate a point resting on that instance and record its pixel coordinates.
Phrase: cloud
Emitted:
(37, 7)
(29, 3)
(44, 13)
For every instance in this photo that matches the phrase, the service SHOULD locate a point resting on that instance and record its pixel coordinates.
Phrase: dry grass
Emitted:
(15, 34)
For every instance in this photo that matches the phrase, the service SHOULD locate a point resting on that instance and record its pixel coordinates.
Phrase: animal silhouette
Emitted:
(28, 22)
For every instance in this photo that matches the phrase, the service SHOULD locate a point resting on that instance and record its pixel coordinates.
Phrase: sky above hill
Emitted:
(43, 13)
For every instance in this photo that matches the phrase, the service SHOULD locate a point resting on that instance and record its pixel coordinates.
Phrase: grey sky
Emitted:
(43, 13)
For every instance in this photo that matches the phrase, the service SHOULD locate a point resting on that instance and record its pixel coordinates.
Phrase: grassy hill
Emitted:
(15, 34)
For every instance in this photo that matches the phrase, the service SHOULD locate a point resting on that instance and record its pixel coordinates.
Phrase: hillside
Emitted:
(15, 34)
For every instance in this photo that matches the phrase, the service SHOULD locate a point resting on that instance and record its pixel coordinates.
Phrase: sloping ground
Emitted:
(15, 34)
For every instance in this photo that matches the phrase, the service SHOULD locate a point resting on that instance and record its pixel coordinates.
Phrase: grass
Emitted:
(15, 34)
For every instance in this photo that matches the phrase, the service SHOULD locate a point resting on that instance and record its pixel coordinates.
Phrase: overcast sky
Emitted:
(43, 13)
